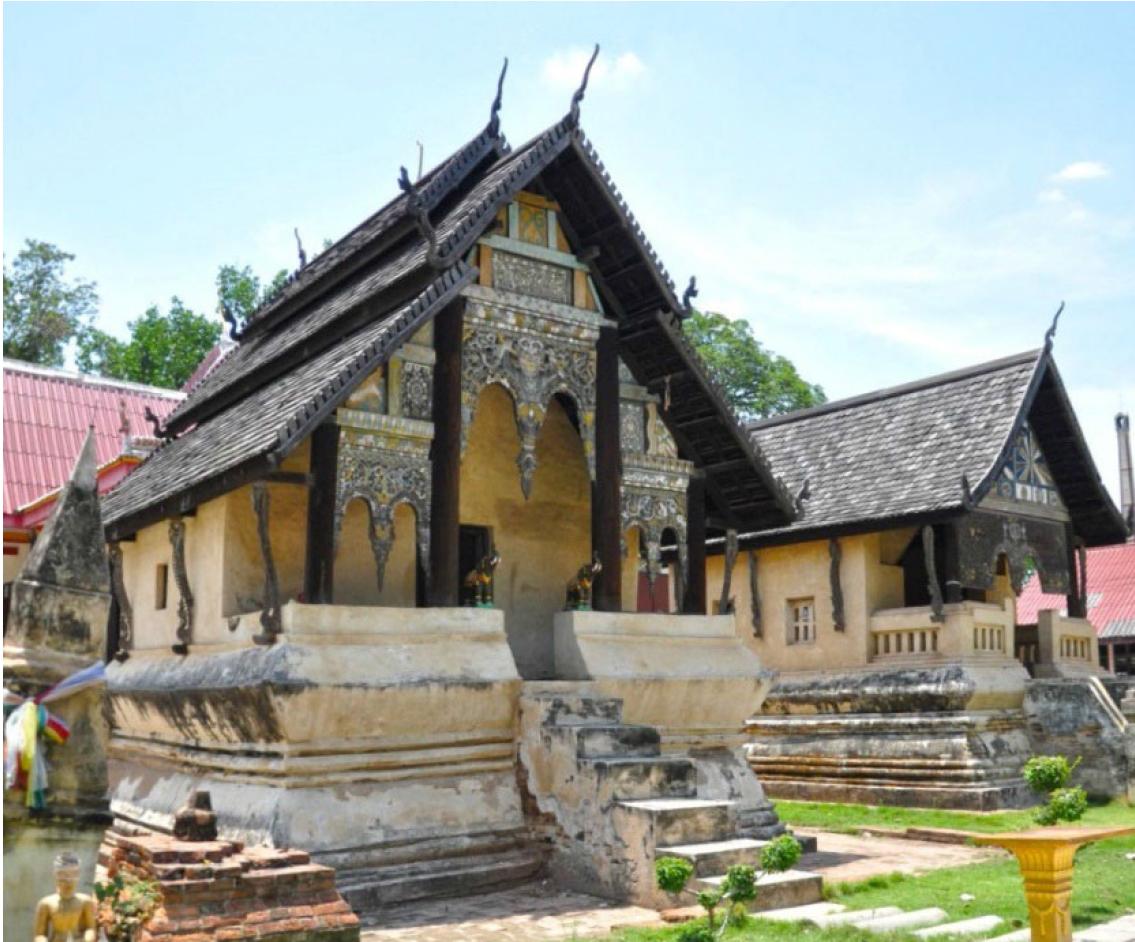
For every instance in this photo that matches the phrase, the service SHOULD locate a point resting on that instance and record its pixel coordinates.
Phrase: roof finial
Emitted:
(156, 425)
(804, 493)
(230, 319)
(422, 218)
(494, 114)
(577, 97)
(688, 296)
(299, 248)
(1050, 334)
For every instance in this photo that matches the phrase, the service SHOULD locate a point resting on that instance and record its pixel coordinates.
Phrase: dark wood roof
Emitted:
(898, 456)
(383, 266)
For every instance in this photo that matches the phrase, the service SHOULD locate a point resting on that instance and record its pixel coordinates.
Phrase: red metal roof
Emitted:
(47, 413)
(1111, 592)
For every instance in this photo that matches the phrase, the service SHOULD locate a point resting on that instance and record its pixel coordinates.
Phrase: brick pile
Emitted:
(221, 891)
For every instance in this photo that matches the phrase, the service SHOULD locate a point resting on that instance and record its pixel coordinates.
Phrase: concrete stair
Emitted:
(631, 805)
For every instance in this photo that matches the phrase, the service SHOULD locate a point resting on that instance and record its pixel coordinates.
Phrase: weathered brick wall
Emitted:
(220, 891)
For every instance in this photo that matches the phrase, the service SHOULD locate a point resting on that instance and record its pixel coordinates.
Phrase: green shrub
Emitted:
(672, 873)
(740, 883)
(695, 932)
(1064, 804)
(780, 854)
(1045, 774)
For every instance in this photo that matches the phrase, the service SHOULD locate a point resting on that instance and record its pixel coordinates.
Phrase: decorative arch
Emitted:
(383, 477)
(534, 366)
(653, 513)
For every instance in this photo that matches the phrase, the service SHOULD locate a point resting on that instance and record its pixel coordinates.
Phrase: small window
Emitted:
(161, 584)
(801, 621)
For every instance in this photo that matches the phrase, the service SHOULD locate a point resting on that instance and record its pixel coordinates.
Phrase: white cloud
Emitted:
(1081, 170)
(1053, 195)
(564, 69)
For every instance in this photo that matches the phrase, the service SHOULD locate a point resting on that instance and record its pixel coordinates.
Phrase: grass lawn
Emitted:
(1103, 882)
(849, 819)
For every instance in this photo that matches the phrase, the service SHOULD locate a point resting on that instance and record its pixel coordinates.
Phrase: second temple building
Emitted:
(381, 589)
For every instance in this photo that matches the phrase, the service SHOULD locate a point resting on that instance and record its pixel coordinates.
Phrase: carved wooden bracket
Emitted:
(936, 610)
(835, 551)
(185, 594)
(125, 611)
(754, 597)
(725, 606)
(270, 608)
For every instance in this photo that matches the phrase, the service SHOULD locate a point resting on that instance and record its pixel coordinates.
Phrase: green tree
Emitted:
(242, 292)
(42, 309)
(163, 349)
(757, 382)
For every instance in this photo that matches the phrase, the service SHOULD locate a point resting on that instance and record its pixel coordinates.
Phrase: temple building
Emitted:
(888, 604)
(376, 590)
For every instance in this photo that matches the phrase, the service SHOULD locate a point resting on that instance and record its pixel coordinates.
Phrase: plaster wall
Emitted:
(629, 590)
(542, 541)
(802, 570)
(15, 562)
(356, 572)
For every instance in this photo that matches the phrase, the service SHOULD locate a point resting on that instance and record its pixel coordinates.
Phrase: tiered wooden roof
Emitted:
(931, 449)
(349, 309)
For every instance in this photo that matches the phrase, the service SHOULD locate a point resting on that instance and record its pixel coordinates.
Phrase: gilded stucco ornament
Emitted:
(535, 358)
(417, 391)
(385, 467)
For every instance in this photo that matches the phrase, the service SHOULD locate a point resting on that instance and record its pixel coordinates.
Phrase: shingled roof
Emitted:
(386, 265)
(930, 449)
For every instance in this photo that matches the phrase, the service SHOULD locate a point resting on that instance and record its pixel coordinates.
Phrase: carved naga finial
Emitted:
(577, 96)
(494, 114)
(156, 425)
(802, 495)
(1050, 334)
(688, 296)
(422, 218)
(299, 249)
(230, 319)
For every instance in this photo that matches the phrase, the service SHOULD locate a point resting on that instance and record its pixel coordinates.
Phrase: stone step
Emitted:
(715, 857)
(806, 913)
(645, 777)
(1018, 935)
(855, 916)
(592, 742)
(914, 919)
(777, 891)
(961, 927)
(574, 709)
(684, 821)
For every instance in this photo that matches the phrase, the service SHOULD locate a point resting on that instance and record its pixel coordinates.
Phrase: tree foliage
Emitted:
(42, 309)
(163, 349)
(757, 382)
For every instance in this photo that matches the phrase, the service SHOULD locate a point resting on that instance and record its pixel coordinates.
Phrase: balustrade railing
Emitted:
(968, 629)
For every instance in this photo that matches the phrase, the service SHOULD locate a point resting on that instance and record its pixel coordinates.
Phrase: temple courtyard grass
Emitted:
(1103, 880)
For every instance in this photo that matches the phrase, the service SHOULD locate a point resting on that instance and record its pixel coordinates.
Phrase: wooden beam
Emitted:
(606, 500)
(319, 558)
(445, 488)
(694, 600)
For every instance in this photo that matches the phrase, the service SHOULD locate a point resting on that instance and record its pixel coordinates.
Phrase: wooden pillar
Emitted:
(951, 562)
(319, 558)
(694, 601)
(445, 457)
(1076, 604)
(606, 493)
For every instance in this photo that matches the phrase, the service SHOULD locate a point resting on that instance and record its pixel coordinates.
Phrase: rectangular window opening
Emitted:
(161, 586)
(801, 621)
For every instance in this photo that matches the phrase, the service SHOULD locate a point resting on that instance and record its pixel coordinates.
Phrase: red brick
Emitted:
(324, 909)
(262, 915)
(232, 934)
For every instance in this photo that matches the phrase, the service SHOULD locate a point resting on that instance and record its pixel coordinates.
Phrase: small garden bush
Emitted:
(738, 888)
(1049, 775)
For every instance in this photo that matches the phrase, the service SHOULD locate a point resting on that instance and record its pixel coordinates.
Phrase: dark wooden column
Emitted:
(1077, 604)
(951, 562)
(606, 494)
(319, 558)
(445, 456)
(694, 602)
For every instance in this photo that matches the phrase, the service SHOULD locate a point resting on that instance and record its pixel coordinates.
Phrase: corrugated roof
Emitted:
(46, 415)
(1111, 593)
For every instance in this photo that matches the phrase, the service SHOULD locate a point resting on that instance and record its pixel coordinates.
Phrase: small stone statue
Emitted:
(66, 915)
(579, 589)
(478, 584)
(196, 821)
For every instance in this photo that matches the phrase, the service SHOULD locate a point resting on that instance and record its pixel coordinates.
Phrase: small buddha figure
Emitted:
(66, 916)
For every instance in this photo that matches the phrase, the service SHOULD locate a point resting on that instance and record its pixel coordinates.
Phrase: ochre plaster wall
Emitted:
(542, 541)
(356, 581)
(802, 571)
(14, 563)
(629, 591)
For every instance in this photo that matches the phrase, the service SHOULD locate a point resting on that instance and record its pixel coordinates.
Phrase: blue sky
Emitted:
(884, 191)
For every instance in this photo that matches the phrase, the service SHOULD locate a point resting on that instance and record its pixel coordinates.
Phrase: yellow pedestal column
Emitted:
(1046, 857)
